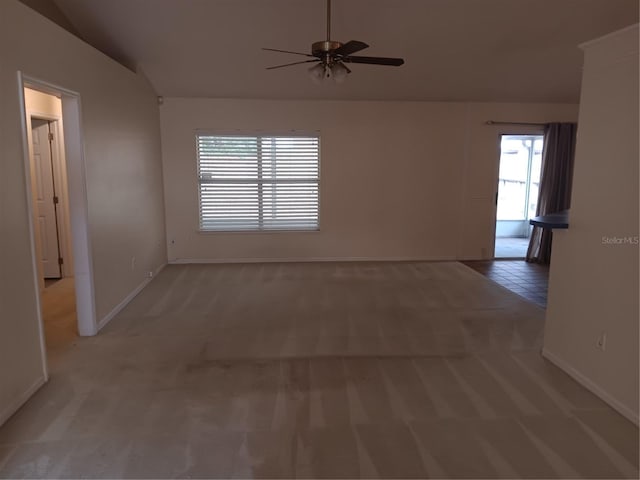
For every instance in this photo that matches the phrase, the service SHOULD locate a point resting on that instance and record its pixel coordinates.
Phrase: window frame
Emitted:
(255, 134)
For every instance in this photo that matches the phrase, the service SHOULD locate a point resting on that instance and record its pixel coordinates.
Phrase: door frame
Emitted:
(77, 202)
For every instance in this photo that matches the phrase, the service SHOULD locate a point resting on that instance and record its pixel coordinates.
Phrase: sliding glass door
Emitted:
(518, 185)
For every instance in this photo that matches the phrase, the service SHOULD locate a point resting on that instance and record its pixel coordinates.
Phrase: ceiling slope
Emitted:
(455, 50)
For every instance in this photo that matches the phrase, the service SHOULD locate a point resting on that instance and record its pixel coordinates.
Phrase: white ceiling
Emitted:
(478, 50)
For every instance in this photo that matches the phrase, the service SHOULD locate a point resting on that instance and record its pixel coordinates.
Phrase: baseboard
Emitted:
(591, 386)
(118, 308)
(21, 400)
(181, 261)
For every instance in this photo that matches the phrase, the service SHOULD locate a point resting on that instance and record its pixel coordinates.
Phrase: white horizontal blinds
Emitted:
(258, 182)
(228, 174)
(289, 182)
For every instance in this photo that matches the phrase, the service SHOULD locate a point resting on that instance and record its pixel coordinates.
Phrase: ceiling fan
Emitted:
(330, 57)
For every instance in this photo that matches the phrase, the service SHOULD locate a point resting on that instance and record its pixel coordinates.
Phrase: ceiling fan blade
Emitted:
(287, 51)
(290, 64)
(393, 62)
(350, 47)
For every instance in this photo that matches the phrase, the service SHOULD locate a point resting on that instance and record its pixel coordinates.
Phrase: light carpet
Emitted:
(349, 370)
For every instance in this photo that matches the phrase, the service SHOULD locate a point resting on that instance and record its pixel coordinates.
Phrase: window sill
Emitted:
(255, 232)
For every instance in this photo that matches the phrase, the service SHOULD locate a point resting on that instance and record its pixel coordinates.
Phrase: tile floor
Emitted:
(511, 247)
(529, 280)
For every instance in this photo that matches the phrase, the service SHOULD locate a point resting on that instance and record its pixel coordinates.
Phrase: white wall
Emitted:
(412, 180)
(123, 176)
(594, 286)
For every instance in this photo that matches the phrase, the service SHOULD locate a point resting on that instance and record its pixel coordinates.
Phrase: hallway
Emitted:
(59, 316)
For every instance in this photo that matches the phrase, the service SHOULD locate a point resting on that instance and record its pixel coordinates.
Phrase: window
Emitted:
(249, 183)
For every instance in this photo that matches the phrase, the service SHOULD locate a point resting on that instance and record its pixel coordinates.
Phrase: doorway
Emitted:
(517, 193)
(48, 180)
(60, 242)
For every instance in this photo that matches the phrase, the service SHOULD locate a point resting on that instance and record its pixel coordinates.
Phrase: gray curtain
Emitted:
(556, 177)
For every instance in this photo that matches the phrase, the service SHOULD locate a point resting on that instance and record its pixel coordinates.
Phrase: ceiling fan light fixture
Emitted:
(339, 72)
(323, 72)
(317, 73)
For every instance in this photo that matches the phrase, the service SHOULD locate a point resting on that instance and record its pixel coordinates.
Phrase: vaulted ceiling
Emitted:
(477, 50)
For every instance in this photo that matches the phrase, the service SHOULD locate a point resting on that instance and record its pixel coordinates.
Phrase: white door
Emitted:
(45, 198)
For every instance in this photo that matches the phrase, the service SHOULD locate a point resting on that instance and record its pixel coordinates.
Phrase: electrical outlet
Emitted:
(601, 343)
(133, 263)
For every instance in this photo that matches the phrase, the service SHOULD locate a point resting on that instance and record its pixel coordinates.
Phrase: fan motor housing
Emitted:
(322, 48)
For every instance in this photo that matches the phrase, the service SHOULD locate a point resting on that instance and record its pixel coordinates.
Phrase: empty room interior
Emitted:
(319, 239)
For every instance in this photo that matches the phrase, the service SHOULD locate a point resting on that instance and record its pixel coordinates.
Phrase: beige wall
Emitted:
(123, 176)
(50, 10)
(594, 285)
(401, 180)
